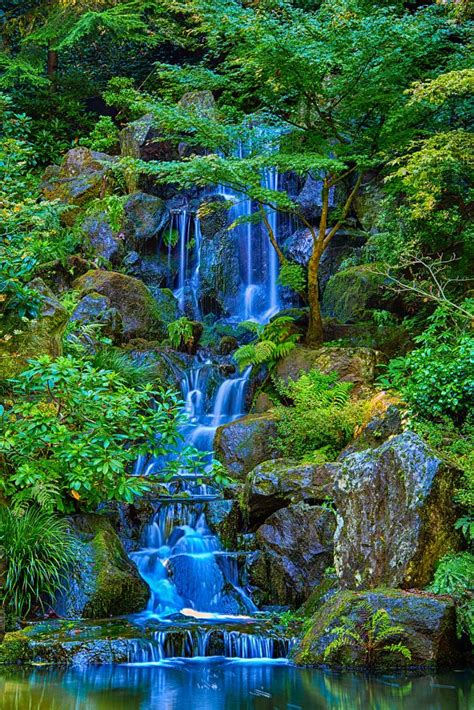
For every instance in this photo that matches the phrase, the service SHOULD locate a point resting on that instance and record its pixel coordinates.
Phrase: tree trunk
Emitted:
(314, 334)
(52, 63)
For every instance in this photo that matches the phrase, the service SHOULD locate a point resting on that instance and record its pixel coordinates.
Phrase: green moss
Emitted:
(352, 292)
(15, 648)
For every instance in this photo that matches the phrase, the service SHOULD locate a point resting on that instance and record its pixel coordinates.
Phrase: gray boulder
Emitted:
(295, 546)
(276, 483)
(95, 308)
(243, 444)
(145, 217)
(99, 237)
(395, 514)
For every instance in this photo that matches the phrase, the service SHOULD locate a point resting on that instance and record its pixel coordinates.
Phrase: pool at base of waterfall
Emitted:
(220, 684)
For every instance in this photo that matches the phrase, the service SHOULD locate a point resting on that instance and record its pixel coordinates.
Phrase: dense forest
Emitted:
(236, 350)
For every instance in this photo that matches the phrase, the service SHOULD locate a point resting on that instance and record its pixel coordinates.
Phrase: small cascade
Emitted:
(201, 642)
(270, 181)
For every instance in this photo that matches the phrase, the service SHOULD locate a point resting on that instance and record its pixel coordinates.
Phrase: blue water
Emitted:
(227, 685)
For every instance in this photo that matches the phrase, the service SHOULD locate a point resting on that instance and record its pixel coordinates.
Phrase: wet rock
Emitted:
(243, 444)
(81, 177)
(141, 139)
(145, 217)
(152, 269)
(131, 298)
(99, 237)
(357, 365)
(395, 514)
(277, 483)
(262, 403)
(310, 198)
(219, 278)
(294, 548)
(104, 581)
(429, 630)
(383, 425)
(225, 521)
(299, 246)
(350, 294)
(41, 336)
(95, 308)
(227, 345)
(213, 215)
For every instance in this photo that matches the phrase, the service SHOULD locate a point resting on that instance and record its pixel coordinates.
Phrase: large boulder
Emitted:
(41, 336)
(351, 294)
(104, 581)
(145, 217)
(243, 444)
(276, 483)
(294, 549)
(357, 365)
(81, 177)
(219, 278)
(141, 139)
(429, 630)
(395, 514)
(99, 237)
(131, 298)
(309, 199)
(94, 308)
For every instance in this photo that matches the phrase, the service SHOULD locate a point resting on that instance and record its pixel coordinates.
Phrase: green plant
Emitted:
(104, 137)
(39, 549)
(371, 632)
(317, 418)
(436, 377)
(180, 332)
(454, 575)
(74, 432)
(274, 341)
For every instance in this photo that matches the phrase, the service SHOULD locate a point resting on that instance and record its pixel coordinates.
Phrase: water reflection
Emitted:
(227, 685)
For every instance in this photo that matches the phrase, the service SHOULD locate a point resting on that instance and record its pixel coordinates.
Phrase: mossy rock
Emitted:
(141, 316)
(351, 293)
(396, 514)
(41, 336)
(243, 444)
(104, 581)
(15, 648)
(429, 630)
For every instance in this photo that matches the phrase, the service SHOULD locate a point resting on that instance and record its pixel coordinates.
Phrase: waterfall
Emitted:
(270, 181)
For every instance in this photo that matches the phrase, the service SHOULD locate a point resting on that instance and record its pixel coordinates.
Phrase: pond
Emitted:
(223, 684)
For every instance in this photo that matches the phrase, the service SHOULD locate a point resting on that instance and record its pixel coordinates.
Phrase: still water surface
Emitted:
(227, 685)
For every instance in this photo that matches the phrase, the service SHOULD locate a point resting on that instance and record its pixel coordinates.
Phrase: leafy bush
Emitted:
(274, 341)
(320, 418)
(72, 433)
(454, 575)
(104, 137)
(436, 378)
(180, 332)
(39, 549)
(374, 633)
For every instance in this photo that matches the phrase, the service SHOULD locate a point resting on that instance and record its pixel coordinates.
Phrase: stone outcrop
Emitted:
(94, 308)
(294, 547)
(145, 217)
(130, 297)
(81, 177)
(276, 483)
(100, 239)
(351, 294)
(395, 514)
(428, 623)
(357, 365)
(243, 444)
(104, 581)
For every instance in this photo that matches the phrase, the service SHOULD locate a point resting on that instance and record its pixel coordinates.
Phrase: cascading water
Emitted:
(189, 573)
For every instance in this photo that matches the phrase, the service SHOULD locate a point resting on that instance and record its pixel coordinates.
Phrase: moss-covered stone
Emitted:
(42, 336)
(243, 444)
(396, 514)
(15, 648)
(349, 294)
(104, 581)
(429, 630)
(276, 483)
(140, 314)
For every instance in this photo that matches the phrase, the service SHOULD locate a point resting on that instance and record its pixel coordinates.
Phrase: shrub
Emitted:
(454, 575)
(73, 433)
(38, 548)
(319, 419)
(274, 341)
(180, 332)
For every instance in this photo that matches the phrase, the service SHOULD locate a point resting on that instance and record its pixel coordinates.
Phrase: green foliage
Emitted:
(454, 575)
(104, 137)
(79, 430)
(293, 276)
(274, 341)
(180, 332)
(371, 632)
(318, 419)
(133, 373)
(436, 377)
(39, 548)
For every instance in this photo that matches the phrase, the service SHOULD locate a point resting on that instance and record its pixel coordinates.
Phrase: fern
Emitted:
(180, 332)
(274, 342)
